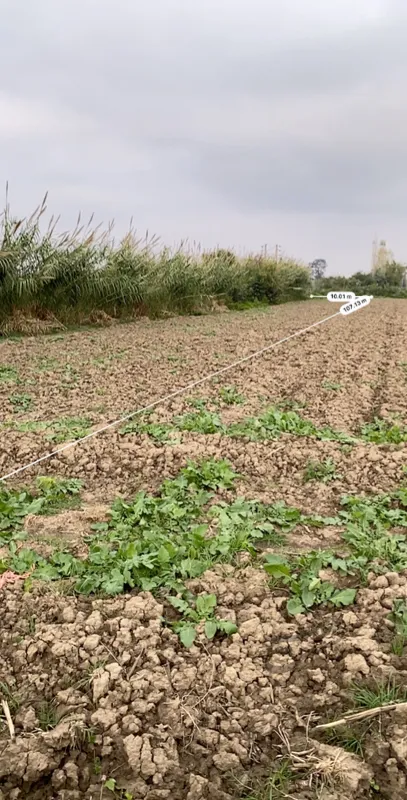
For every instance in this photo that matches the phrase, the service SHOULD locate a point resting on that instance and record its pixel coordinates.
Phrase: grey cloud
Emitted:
(190, 113)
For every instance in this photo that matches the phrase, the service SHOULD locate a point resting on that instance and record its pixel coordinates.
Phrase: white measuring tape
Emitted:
(352, 303)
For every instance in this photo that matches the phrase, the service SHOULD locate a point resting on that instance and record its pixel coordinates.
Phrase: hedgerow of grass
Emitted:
(69, 278)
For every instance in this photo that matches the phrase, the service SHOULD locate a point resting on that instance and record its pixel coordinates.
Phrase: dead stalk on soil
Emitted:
(9, 721)
(352, 717)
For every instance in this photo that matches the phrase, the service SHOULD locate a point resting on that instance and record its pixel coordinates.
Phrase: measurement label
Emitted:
(340, 297)
(355, 305)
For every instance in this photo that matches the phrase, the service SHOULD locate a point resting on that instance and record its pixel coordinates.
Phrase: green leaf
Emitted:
(277, 566)
(294, 606)
(211, 626)
(187, 635)
(110, 784)
(308, 598)
(339, 564)
(227, 626)
(163, 556)
(179, 603)
(344, 598)
(205, 604)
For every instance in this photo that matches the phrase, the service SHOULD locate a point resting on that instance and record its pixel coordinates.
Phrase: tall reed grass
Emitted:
(49, 278)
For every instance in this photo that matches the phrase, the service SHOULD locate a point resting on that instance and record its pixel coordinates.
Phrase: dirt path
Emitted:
(104, 698)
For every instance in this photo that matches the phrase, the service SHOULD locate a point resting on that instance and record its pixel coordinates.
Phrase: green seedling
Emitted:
(323, 471)
(21, 402)
(192, 615)
(8, 374)
(230, 396)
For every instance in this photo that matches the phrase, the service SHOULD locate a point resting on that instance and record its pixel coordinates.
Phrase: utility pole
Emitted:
(278, 252)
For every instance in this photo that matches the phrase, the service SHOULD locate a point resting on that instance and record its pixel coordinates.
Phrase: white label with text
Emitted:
(355, 305)
(340, 297)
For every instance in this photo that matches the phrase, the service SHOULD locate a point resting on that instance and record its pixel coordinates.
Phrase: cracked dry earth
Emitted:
(134, 713)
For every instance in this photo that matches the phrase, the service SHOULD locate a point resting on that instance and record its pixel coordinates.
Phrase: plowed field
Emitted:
(194, 592)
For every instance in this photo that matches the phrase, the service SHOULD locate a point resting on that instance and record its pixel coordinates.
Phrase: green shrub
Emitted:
(69, 278)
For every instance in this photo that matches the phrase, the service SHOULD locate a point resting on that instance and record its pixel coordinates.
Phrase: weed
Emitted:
(120, 794)
(384, 431)
(85, 682)
(275, 422)
(60, 430)
(58, 493)
(159, 432)
(202, 421)
(201, 609)
(47, 715)
(70, 376)
(12, 697)
(14, 507)
(32, 624)
(371, 547)
(276, 786)
(199, 403)
(68, 429)
(399, 617)
(85, 736)
(163, 540)
(290, 405)
(350, 739)
(230, 396)
(378, 694)
(8, 374)
(97, 766)
(323, 471)
(52, 495)
(301, 576)
(46, 363)
(331, 386)
(20, 402)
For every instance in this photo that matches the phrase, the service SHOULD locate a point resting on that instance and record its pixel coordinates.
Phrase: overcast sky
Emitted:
(230, 122)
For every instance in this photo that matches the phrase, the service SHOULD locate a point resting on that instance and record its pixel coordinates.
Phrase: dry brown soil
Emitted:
(131, 703)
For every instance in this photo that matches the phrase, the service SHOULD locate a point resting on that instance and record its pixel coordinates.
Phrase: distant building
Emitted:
(381, 255)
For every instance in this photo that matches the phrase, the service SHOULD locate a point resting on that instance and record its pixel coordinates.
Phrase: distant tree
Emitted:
(318, 268)
(394, 273)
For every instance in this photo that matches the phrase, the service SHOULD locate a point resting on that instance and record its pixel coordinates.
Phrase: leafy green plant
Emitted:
(120, 794)
(274, 422)
(323, 471)
(231, 396)
(21, 402)
(163, 540)
(202, 609)
(8, 374)
(210, 474)
(68, 428)
(161, 433)
(202, 421)
(14, 507)
(399, 617)
(384, 431)
(301, 577)
(58, 493)
(199, 403)
(59, 430)
(47, 363)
